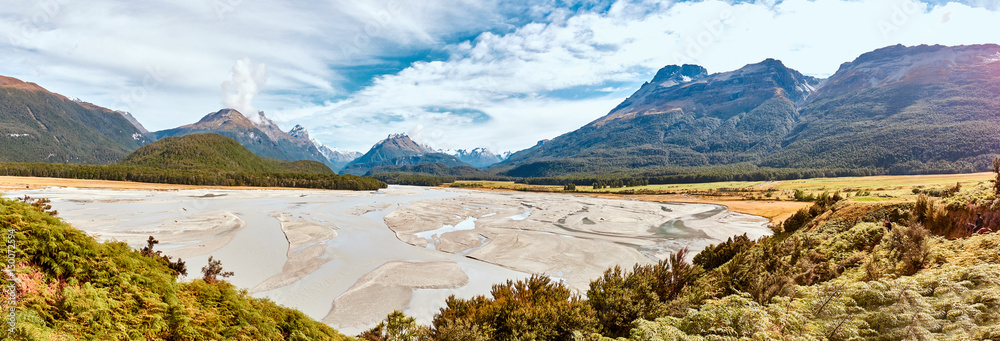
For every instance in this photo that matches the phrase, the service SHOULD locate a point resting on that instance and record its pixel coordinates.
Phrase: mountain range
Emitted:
(478, 157)
(898, 110)
(921, 109)
(263, 137)
(338, 158)
(398, 150)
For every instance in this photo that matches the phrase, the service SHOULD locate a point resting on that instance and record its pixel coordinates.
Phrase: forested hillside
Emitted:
(39, 126)
(201, 159)
(683, 118)
(941, 116)
(212, 152)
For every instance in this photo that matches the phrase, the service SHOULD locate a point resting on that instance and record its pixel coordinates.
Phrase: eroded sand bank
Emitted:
(306, 252)
(393, 285)
(194, 235)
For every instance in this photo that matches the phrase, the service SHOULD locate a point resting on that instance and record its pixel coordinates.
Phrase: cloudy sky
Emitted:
(451, 73)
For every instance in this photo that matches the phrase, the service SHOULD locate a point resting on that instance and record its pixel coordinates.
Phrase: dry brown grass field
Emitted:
(774, 200)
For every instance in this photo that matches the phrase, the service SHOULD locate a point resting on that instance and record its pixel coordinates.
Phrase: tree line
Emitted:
(189, 177)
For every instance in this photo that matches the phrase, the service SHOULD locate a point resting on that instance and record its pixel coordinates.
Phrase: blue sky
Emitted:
(451, 73)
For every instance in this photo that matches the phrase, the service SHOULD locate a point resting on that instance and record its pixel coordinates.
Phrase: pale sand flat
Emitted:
(569, 237)
(302, 232)
(576, 260)
(389, 287)
(198, 235)
(305, 252)
(298, 266)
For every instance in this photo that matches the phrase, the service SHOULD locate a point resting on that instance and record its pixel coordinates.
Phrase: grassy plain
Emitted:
(770, 199)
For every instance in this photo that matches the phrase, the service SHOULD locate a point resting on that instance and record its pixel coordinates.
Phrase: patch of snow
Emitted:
(136, 136)
(18, 135)
(668, 84)
(992, 59)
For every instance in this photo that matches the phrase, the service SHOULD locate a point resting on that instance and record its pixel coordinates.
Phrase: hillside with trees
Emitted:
(40, 126)
(204, 160)
(213, 152)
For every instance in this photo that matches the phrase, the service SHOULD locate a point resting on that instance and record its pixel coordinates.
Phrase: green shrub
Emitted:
(531, 309)
(715, 256)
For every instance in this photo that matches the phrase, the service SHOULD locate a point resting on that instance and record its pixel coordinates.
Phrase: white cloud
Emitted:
(164, 60)
(248, 79)
(508, 76)
(101, 50)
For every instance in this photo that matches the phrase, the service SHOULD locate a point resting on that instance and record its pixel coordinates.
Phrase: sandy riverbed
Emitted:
(332, 254)
(571, 237)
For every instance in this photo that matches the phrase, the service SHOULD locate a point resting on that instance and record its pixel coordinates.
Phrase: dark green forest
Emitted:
(432, 174)
(204, 160)
(199, 178)
(213, 152)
